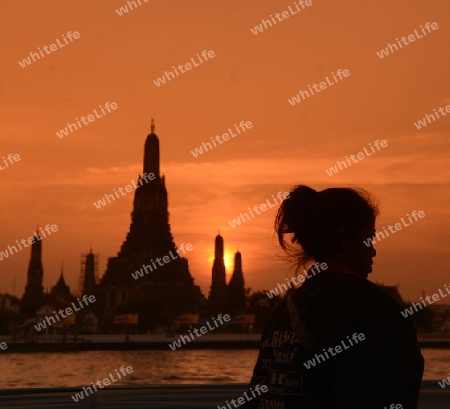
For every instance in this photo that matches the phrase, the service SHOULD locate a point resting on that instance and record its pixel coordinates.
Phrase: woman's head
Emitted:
(330, 225)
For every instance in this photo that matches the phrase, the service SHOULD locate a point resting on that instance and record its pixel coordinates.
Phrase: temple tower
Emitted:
(151, 152)
(217, 299)
(236, 287)
(163, 291)
(34, 291)
(88, 276)
(61, 289)
(218, 270)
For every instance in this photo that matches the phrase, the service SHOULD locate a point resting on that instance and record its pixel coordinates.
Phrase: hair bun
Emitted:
(302, 199)
(313, 217)
(304, 194)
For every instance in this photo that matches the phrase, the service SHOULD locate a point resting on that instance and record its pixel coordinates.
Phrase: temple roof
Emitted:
(61, 288)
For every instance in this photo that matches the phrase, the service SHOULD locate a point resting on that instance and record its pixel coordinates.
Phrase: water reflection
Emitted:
(72, 369)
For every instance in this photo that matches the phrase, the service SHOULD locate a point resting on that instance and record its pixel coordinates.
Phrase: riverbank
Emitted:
(119, 342)
(167, 397)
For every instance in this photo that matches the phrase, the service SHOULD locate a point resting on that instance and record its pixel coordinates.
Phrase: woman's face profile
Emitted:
(361, 255)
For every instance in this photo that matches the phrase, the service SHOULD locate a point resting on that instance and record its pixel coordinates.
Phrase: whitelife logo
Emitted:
(123, 10)
(42, 325)
(148, 268)
(283, 287)
(444, 383)
(225, 137)
(360, 155)
(338, 349)
(322, 85)
(11, 158)
(106, 382)
(262, 207)
(379, 235)
(128, 189)
(436, 297)
(108, 106)
(385, 51)
(9, 250)
(259, 389)
(177, 344)
(27, 61)
(187, 66)
(284, 15)
(422, 123)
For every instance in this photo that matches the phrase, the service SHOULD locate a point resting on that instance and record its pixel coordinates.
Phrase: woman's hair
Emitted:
(312, 218)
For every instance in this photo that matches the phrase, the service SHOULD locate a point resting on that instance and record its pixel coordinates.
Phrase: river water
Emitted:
(209, 366)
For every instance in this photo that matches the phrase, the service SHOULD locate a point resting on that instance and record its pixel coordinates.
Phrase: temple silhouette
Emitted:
(223, 297)
(170, 288)
(160, 295)
(34, 291)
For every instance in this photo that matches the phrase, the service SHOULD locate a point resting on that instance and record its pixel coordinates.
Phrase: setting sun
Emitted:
(228, 259)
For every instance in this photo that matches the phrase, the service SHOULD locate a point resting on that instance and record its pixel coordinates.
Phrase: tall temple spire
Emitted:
(151, 153)
(237, 279)
(236, 287)
(61, 289)
(218, 249)
(170, 286)
(36, 249)
(89, 268)
(218, 271)
(218, 292)
(34, 291)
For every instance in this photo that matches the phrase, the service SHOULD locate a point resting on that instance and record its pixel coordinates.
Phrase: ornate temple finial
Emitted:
(152, 127)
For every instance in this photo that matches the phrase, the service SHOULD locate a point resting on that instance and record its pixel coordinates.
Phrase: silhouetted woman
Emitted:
(338, 341)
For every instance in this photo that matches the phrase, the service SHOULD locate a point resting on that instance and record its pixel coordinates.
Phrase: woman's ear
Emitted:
(342, 236)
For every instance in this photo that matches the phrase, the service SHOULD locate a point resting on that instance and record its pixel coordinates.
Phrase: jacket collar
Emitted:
(333, 267)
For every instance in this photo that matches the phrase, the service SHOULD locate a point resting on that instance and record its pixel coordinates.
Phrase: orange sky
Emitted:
(250, 78)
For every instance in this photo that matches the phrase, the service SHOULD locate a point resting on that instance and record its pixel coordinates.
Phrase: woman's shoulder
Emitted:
(338, 282)
(343, 292)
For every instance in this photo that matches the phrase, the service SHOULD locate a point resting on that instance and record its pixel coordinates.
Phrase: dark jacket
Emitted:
(383, 369)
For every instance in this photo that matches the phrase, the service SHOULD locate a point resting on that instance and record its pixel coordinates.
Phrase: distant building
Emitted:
(88, 277)
(9, 308)
(236, 288)
(135, 280)
(61, 289)
(392, 291)
(59, 295)
(35, 303)
(218, 294)
(34, 291)
(441, 318)
(164, 291)
(90, 324)
(9, 302)
(223, 297)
